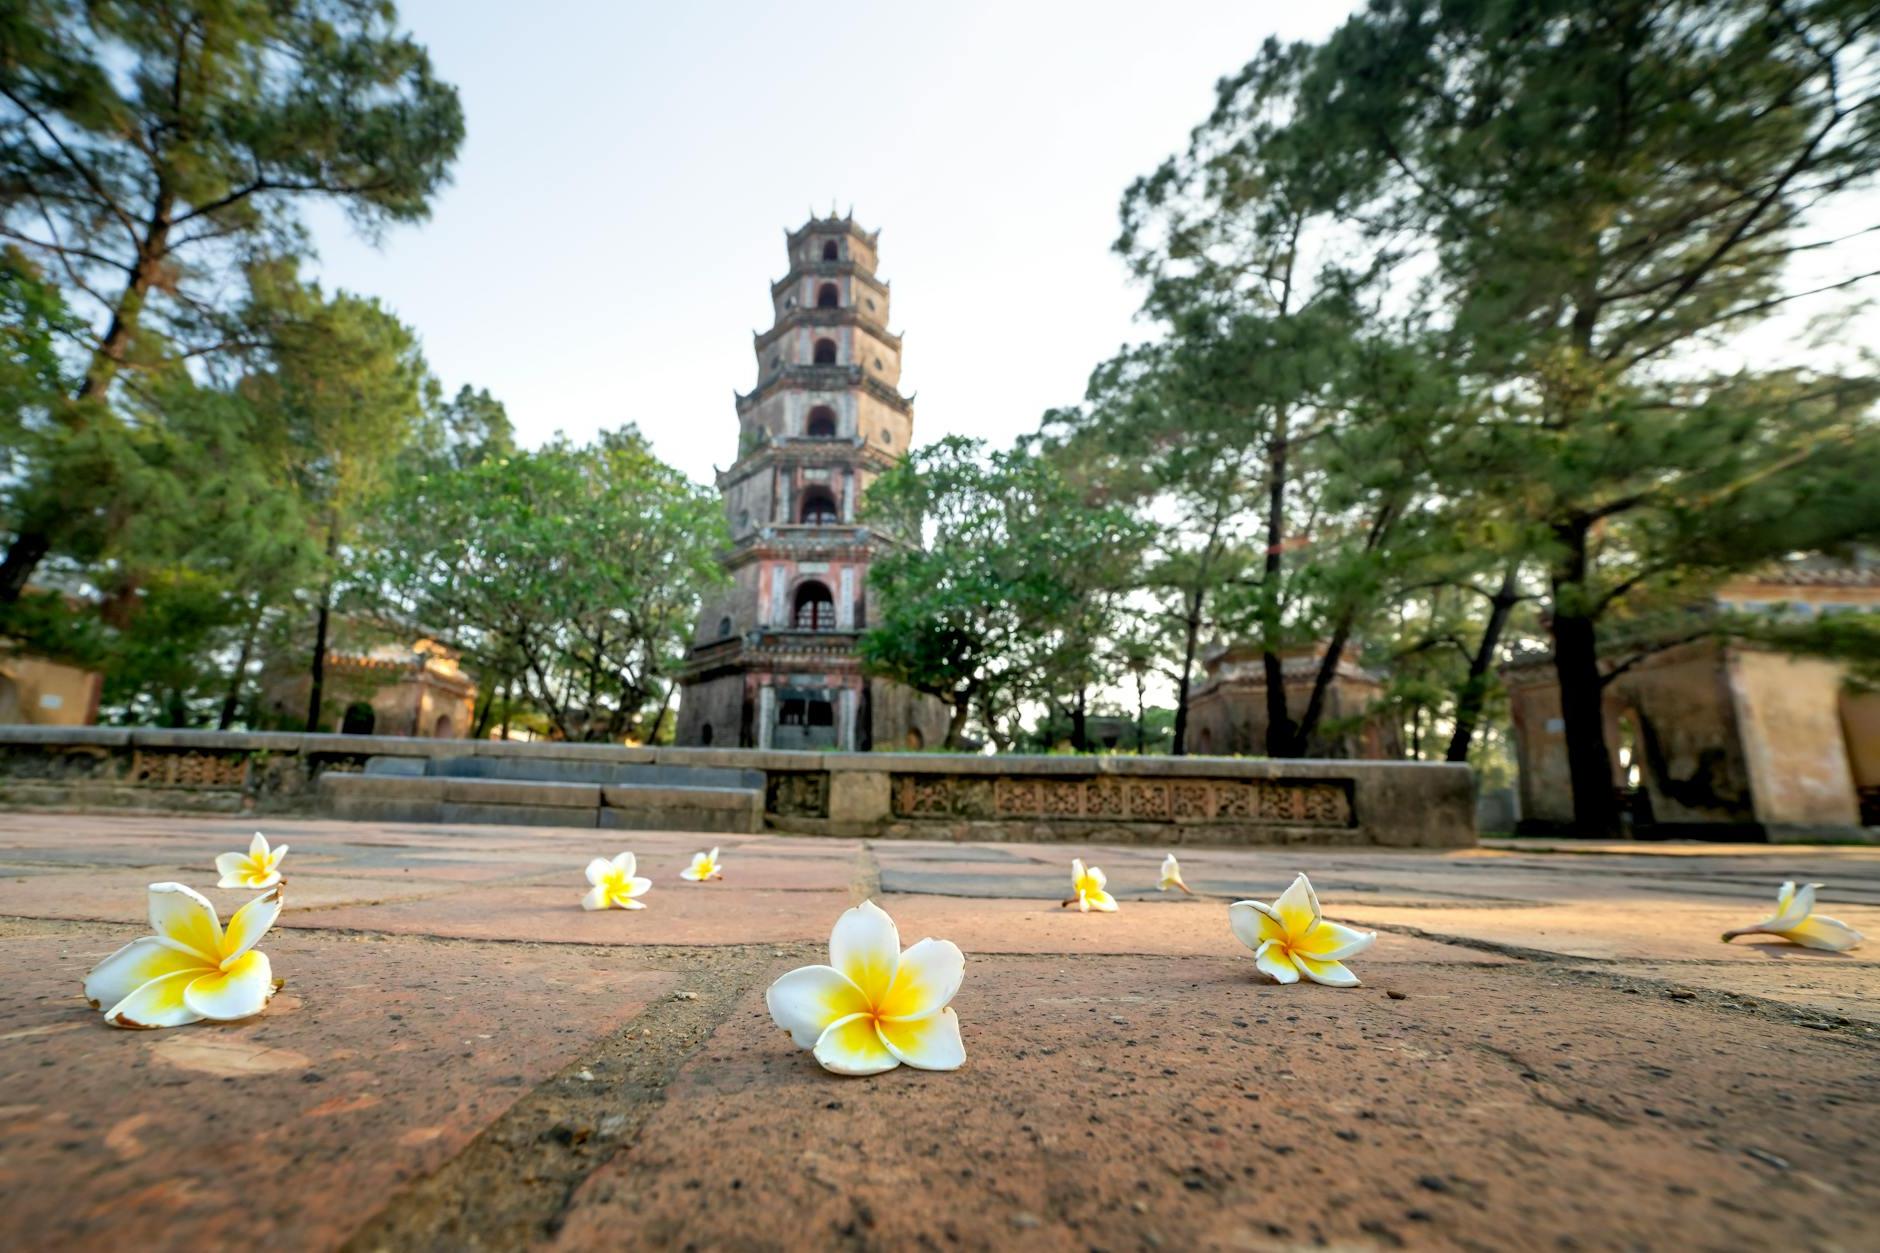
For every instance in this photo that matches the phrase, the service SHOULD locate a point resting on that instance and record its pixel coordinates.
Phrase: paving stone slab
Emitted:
(1126, 1105)
(676, 913)
(376, 1064)
(1659, 930)
(1175, 928)
(122, 895)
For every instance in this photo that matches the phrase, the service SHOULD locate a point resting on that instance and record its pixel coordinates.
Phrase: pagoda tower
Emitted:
(773, 663)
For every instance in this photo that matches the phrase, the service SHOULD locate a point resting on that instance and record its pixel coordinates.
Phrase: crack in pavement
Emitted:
(513, 1183)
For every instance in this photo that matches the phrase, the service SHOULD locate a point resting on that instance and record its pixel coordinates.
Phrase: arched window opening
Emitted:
(819, 508)
(442, 729)
(825, 352)
(359, 719)
(915, 740)
(821, 423)
(830, 251)
(815, 608)
(827, 297)
(724, 627)
(705, 734)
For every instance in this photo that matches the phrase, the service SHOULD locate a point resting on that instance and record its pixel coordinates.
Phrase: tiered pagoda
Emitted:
(773, 664)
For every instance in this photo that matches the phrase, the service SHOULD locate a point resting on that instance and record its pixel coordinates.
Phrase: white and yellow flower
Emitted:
(1291, 937)
(1087, 885)
(614, 885)
(191, 969)
(1795, 920)
(704, 866)
(1172, 876)
(873, 1007)
(258, 868)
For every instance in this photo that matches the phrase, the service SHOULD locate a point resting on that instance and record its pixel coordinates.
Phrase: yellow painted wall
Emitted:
(44, 693)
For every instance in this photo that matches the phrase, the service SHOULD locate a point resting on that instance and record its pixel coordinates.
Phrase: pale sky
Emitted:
(620, 200)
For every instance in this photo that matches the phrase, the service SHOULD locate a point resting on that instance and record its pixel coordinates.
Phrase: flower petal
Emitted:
(241, 991)
(1253, 923)
(274, 857)
(929, 1043)
(1820, 931)
(1096, 873)
(184, 919)
(1332, 942)
(1330, 973)
(626, 864)
(596, 897)
(249, 924)
(134, 965)
(598, 870)
(1077, 871)
(866, 947)
(158, 1003)
(1102, 902)
(694, 872)
(928, 975)
(627, 902)
(230, 866)
(637, 887)
(1272, 960)
(258, 848)
(850, 1046)
(1297, 907)
(809, 998)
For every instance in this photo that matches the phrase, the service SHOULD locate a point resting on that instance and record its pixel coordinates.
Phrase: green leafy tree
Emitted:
(999, 590)
(151, 152)
(571, 574)
(1604, 193)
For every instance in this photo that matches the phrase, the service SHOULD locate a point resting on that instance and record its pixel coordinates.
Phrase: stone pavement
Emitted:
(1551, 1049)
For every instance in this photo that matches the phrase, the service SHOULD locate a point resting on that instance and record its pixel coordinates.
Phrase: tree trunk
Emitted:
(231, 701)
(317, 691)
(34, 541)
(23, 557)
(1080, 725)
(1141, 722)
(1474, 693)
(508, 688)
(1576, 668)
(1321, 684)
(956, 724)
(1280, 734)
(481, 723)
(1190, 641)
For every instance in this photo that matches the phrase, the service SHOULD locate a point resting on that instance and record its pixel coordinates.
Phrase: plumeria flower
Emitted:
(874, 1007)
(1172, 876)
(1795, 919)
(704, 866)
(258, 868)
(1290, 937)
(615, 885)
(1087, 884)
(191, 969)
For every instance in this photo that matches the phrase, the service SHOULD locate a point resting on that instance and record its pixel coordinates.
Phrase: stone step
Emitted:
(533, 802)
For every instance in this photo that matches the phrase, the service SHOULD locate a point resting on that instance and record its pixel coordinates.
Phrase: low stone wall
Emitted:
(1119, 799)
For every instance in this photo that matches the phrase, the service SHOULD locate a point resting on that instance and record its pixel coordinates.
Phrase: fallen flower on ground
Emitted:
(1087, 886)
(614, 884)
(874, 1007)
(1291, 937)
(1795, 920)
(704, 866)
(258, 868)
(191, 969)
(1172, 876)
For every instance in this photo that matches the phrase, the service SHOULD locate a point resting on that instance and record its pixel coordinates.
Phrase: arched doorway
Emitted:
(825, 352)
(359, 719)
(827, 297)
(831, 252)
(821, 423)
(442, 729)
